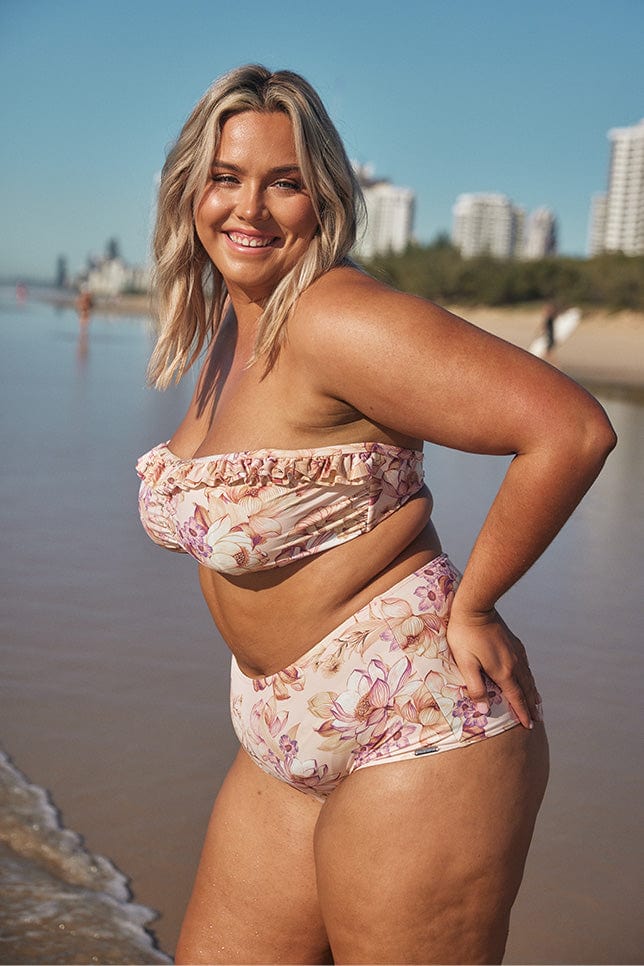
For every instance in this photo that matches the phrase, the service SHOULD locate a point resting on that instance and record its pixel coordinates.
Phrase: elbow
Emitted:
(597, 436)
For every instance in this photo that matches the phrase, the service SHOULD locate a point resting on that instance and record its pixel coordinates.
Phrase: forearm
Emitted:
(540, 491)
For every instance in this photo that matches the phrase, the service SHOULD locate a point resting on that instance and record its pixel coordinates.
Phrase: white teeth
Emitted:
(249, 242)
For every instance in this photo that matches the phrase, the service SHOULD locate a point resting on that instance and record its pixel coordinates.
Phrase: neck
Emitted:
(248, 305)
(240, 325)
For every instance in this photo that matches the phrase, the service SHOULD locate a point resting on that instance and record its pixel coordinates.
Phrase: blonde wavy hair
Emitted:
(190, 293)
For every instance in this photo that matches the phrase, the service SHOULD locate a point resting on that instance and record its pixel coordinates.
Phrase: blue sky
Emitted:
(443, 96)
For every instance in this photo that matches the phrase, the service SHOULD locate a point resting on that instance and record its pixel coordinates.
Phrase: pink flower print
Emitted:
(321, 703)
(423, 709)
(398, 481)
(385, 747)
(331, 663)
(289, 746)
(494, 695)
(308, 774)
(230, 550)
(362, 712)
(317, 521)
(435, 593)
(363, 634)
(305, 769)
(305, 549)
(192, 535)
(423, 634)
(247, 509)
(236, 706)
(428, 597)
(474, 723)
(282, 682)
(265, 722)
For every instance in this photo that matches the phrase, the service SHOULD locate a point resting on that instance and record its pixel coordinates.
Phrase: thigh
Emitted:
(419, 861)
(254, 899)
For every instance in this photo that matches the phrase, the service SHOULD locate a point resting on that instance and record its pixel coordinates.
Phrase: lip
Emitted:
(251, 238)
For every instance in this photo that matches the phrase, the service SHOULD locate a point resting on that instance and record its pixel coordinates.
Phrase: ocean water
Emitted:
(113, 693)
(61, 903)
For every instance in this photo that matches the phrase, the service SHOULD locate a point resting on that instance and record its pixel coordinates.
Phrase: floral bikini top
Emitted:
(240, 512)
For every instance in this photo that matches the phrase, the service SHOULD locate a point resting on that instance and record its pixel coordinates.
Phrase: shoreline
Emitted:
(605, 353)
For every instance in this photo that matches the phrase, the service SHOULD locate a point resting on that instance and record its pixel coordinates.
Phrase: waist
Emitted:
(269, 619)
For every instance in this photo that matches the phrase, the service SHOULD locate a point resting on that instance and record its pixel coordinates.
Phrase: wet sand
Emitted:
(115, 682)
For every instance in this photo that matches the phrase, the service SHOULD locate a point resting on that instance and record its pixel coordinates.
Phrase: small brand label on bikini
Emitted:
(425, 751)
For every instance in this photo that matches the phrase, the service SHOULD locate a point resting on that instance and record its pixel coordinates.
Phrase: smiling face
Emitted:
(255, 218)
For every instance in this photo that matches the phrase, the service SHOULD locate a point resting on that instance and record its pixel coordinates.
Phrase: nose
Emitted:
(251, 204)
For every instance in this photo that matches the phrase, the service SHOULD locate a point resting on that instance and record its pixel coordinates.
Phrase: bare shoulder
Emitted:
(410, 365)
(353, 298)
(348, 320)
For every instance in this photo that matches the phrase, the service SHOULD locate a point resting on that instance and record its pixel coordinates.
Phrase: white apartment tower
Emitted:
(597, 226)
(487, 224)
(624, 229)
(540, 235)
(390, 215)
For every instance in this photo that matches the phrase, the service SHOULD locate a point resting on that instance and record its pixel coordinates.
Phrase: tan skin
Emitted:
(283, 878)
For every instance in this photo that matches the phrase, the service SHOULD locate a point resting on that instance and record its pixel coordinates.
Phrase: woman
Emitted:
(320, 564)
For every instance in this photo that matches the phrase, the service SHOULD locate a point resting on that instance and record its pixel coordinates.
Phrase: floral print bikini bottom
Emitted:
(383, 686)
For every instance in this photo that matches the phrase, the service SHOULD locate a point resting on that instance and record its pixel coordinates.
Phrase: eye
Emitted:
(286, 184)
(224, 179)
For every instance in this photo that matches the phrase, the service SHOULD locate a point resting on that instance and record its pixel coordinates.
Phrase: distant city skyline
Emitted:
(444, 98)
(492, 224)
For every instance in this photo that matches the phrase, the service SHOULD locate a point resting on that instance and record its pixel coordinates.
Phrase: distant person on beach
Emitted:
(347, 828)
(84, 306)
(549, 325)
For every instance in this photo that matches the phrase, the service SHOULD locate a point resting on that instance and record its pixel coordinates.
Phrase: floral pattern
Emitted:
(241, 512)
(382, 687)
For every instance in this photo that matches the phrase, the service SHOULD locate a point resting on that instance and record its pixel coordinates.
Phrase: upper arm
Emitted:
(415, 368)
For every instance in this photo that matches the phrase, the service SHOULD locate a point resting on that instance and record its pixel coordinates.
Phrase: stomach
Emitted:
(270, 618)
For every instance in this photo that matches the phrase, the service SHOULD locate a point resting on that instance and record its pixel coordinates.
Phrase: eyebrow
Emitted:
(283, 169)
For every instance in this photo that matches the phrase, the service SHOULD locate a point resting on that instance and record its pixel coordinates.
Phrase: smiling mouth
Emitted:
(250, 241)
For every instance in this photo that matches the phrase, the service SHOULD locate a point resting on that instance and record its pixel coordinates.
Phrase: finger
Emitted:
(514, 695)
(538, 709)
(476, 688)
(526, 683)
(528, 686)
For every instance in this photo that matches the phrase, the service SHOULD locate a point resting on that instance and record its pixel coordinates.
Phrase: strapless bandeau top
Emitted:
(241, 512)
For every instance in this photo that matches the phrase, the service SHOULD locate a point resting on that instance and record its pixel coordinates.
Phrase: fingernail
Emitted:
(481, 707)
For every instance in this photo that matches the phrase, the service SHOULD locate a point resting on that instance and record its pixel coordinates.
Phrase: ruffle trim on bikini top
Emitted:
(165, 472)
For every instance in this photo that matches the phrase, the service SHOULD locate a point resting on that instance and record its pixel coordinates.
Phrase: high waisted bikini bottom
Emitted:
(381, 687)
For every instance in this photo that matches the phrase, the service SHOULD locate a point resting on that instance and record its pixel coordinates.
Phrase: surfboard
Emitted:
(564, 326)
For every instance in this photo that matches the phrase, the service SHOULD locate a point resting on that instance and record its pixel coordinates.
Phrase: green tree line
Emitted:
(438, 272)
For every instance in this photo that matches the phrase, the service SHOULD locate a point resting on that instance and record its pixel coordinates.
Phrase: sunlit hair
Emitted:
(190, 294)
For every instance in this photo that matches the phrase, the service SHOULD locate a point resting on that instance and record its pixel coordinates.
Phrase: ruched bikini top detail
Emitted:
(240, 512)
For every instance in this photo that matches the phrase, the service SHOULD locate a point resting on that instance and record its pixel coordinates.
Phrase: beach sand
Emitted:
(606, 349)
(116, 681)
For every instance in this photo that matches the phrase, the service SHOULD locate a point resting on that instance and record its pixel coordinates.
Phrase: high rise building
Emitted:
(624, 218)
(540, 237)
(390, 215)
(487, 224)
(597, 224)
